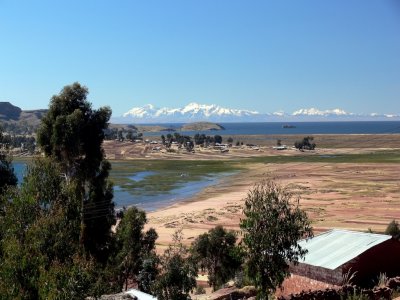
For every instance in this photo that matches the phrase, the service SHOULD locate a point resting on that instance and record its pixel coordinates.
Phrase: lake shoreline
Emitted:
(352, 185)
(328, 192)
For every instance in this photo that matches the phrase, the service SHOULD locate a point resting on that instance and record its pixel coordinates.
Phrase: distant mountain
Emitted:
(17, 121)
(317, 112)
(337, 114)
(14, 119)
(194, 112)
(9, 111)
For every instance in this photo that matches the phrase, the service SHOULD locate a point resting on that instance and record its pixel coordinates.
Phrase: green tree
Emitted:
(42, 238)
(120, 135)
(218, 139)
(216, 252)
(178, 272)
(72, 134)
(272, 226)
(148, 273)
(7, 176)
(133, 245)
(393, 229)
(130, 135)
(307, 143)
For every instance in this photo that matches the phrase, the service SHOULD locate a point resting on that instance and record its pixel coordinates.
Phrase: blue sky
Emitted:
(259, 55)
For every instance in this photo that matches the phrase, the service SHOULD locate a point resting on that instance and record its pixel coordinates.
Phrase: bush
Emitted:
(393, 229)
(272, 226)
(307, 143)
(200, 290)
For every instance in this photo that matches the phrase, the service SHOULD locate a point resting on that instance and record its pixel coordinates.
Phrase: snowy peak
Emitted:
(316, 112)
(195, 112)
(140, 112)
(191, 112)
(214, 110)
(341, 114)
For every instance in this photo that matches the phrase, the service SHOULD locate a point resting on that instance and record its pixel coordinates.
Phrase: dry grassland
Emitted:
(360, 196)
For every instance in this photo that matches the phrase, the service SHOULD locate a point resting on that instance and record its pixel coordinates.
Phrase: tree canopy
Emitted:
(72, 133)
(41, 238)
(178, 273)
(272, 226)
(7, 176)
(216, 251)
(307, 143)
(55, 229)
(393, 229)
(134, 246)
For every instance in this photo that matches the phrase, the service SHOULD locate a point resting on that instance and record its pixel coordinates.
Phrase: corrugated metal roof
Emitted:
(140, 295)
(334, 248)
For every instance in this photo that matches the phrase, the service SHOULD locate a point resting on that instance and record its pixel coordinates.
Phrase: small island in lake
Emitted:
(201, 126)
(195, 126)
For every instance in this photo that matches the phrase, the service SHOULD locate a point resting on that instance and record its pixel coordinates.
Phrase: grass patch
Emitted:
(211, 218)
(167, 174)
(373, 157)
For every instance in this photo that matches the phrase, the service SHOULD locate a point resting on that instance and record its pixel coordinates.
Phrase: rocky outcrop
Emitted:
(348, 292)
(234, 293)
(120, 296)
(9, 111)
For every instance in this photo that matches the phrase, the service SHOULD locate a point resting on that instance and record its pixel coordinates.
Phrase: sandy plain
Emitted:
(350, 195)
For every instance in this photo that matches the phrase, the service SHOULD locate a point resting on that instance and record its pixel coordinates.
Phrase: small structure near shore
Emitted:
(335, 253)
(131, 294)
(136, 294)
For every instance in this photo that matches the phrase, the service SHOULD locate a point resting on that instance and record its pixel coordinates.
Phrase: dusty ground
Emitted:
(336, 195)
(341, 195)
(351, 196)
(296, 284)
(364, 196)
(356, 143)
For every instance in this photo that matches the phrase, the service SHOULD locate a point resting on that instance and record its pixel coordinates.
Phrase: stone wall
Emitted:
(348, 292)
(318, 273)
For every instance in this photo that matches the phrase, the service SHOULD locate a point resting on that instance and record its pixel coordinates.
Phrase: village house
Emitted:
(335, 253)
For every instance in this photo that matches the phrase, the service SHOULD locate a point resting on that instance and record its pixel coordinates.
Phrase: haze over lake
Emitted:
(354, 127)
(145, 187)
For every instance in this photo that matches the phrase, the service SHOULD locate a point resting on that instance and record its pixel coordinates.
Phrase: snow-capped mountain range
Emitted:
(194, 112)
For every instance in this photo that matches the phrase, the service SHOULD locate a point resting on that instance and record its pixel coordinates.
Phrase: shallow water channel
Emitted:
(153, 189)
(149, 201)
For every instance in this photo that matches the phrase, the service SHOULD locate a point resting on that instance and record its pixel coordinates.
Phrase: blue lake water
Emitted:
(355, 127)
(19, 169)
(139, 176)
(123, 197)
(146, 201)
(149, 202)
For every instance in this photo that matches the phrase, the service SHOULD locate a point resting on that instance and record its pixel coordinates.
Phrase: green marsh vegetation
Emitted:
(165, 175)
(162, 176)
(380, 156)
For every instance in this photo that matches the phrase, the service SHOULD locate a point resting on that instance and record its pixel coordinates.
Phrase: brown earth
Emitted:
(351, 196)
(355, 196)
(326, 144)
(295, 284)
